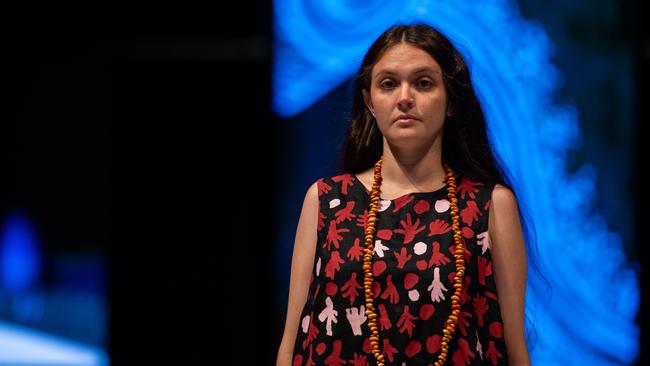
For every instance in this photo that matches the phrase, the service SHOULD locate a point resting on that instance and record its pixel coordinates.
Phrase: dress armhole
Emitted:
(320, 184)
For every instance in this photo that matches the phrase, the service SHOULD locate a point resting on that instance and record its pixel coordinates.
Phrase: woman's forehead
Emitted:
(404, 58)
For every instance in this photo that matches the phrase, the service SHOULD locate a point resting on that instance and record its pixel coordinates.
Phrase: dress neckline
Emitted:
(362, 186)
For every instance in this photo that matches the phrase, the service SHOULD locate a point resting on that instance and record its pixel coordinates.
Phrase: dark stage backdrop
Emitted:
(191, 183)
(142, 132)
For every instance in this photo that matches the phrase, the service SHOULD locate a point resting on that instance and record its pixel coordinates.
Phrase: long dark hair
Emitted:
(466, 146)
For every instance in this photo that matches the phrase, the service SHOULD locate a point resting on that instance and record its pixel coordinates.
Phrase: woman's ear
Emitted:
(366, 99)
(450, 110)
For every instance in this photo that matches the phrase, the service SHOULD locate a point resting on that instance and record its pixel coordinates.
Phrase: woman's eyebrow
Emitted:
(389, 72)
(426, 69)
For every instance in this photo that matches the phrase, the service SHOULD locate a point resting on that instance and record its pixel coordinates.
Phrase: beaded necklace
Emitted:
(459, 254)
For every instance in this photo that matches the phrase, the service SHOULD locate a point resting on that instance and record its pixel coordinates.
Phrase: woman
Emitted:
(414, 254)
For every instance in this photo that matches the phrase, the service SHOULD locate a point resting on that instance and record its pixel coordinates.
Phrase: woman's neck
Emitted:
(412, 169)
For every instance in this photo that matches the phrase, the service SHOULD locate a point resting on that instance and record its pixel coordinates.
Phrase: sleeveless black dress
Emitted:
(413, 264)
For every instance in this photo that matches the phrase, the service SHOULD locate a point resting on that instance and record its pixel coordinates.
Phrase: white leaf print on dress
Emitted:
(383, 205)
(356, 317)
(328, 315)
(379, 248)
(436, 287)
(420, 248)
(484, 241)
(305, 324)
(441, 206)
(414, 295)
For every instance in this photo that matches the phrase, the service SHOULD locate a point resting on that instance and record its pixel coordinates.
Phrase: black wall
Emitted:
(191, 172)
(143, 131)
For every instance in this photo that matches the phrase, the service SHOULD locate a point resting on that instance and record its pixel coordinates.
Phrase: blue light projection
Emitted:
(19, 254)
(24, 346)
(595, 297)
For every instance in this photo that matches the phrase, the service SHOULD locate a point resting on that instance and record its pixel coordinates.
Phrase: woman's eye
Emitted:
(425, 83)
(387, 84)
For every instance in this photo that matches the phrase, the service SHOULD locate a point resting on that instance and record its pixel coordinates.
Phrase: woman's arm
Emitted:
(302, 262)
(509, 268)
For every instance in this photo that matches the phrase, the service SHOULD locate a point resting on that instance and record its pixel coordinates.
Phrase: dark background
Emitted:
(142, 132)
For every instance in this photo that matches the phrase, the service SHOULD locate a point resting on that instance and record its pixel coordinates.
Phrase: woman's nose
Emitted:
(406, 100)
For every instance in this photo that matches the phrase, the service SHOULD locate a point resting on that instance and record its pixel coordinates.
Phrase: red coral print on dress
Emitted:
(384, 320)
(311, 334)
(333, 265)
(362, 220)
(334, 359)
(410, 280)
(437, 258)
(484, 269)
(323, 188)
(346, 181)
(378, 268)
(468, 187)
(334, 235)
(463, 322)
(426, 311)
(385, 234)
(496, 330)
(409, 228)
(433, 343)
(438, 227)
(402, 257)
(297, 361)
(388, 350)
(463, 354)
(402, 201)
(493, 353)
(331, 288)
(480, 307)
(421, 207)
(470, 213)
(391, 291)
(345, 213)
(405, 321)
(359, 360)
(413, 348)
(467, 233)
(355, 252)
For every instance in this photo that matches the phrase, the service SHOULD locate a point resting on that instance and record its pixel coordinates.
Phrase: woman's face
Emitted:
(407, 96)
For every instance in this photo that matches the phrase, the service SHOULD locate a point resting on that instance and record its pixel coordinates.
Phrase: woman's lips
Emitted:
(405, 118)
